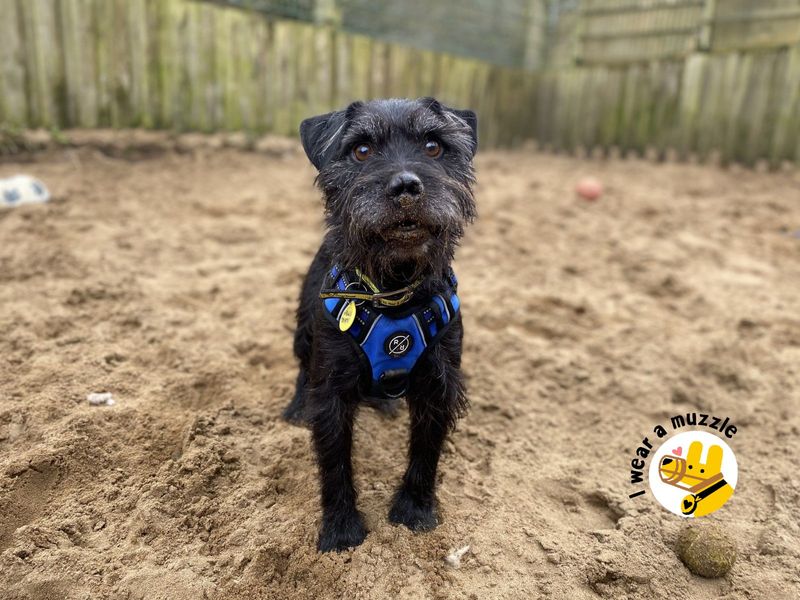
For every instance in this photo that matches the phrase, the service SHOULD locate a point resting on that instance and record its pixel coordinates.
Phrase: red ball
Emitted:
(589, 188)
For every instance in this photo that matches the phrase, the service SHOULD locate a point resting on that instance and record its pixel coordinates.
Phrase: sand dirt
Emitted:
(169, 277)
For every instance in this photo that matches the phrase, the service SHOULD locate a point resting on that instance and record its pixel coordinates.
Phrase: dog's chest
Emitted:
(390, 340)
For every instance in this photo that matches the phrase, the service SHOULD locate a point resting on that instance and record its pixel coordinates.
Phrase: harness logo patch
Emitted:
(691, 473)
(398, 344)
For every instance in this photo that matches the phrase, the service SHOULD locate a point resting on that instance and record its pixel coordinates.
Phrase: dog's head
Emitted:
(397, 177)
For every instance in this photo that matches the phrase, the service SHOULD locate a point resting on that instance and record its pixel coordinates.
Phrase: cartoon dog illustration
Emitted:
(705, 482)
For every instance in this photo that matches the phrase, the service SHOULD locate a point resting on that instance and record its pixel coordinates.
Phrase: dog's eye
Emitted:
(433, 148)
(362, 152)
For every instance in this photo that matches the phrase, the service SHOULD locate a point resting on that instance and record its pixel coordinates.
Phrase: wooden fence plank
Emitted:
(610, 115)
(360, 67)
(13, 74)
(282, 78)
(302, 62)
(245, 71)
(136, 19)
(268, 88)
(628, 108)
(377, 69)
(708, 132)
(325, 69)
(546, 102)
(787, 126)
(117, 41)
(755, 119)
(665, 80)
(261, 98)
(734, 139)
(478, 100)
(341, 78)
(691, 96)
(44, 80)
(77, 91)
(165, 19)
(426, 73)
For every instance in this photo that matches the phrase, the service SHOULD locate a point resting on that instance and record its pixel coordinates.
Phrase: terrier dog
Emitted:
(379, 316)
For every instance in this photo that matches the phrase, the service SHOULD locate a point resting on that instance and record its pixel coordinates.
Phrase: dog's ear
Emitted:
(468, 116)
(321, 135)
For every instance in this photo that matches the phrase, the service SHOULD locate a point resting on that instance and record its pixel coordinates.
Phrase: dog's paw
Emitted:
(341, 532)
(414, 515)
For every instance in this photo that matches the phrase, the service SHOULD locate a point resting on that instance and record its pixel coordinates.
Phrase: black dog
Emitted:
(378, 315)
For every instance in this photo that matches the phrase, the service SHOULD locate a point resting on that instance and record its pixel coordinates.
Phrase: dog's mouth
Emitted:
(407, 225)
(407, 229)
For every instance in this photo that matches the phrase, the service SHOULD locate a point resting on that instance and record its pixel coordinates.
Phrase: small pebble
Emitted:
(606, 556)
(101, 399)
(454, 558)
(706, 550)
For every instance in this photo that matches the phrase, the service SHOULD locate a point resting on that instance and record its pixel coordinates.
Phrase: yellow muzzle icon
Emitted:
(705, 482)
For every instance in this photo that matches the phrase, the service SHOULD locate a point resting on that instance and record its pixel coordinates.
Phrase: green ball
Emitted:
(706, 550)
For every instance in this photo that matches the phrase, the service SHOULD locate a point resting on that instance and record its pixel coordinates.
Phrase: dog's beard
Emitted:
(398, 246)
(393, 261)
(387, 257)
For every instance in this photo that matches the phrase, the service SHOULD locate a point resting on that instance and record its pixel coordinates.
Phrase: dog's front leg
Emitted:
(332, 428)
(431, 411)
(415, 502)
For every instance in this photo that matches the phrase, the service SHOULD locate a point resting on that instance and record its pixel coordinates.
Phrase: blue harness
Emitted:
(390, 339)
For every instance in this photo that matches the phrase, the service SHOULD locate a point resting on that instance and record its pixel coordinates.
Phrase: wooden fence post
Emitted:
(536, 21)
(580, 26)
(706, 37)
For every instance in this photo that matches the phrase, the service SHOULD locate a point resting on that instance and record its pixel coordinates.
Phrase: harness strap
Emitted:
(389, 341)
(376, 296)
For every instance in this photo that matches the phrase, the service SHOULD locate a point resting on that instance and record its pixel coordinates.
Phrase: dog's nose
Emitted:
(405, 183)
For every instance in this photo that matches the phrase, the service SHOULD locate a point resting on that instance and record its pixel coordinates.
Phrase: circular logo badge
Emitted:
(693, 474)
(398, 344)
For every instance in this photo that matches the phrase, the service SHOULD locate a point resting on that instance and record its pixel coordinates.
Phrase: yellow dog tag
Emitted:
(348, 316)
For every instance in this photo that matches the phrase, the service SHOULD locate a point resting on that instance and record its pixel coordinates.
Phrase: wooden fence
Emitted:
(185, 65)
(628, 31)
(197, 66)
(692, 76)
(744, 106)
(618, 31)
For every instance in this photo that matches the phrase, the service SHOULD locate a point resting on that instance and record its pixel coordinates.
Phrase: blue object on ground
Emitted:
(22, 189)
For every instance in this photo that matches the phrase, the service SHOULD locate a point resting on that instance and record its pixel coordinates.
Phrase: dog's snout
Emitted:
(405, 183)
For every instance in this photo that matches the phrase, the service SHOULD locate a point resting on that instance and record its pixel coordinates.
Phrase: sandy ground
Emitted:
(169, 279)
